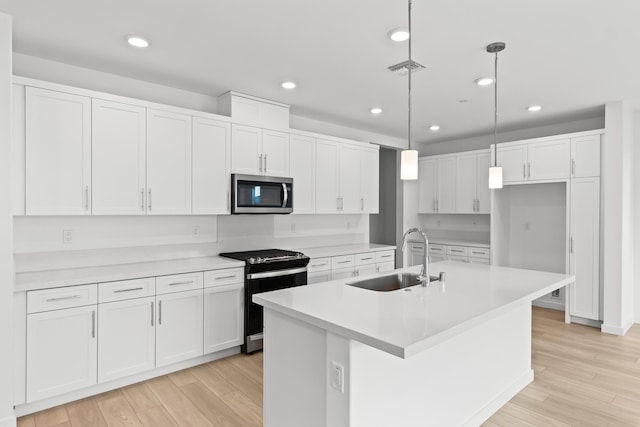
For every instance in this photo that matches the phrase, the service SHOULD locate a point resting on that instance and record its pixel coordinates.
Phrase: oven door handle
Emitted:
(286, 195)
(277, 273)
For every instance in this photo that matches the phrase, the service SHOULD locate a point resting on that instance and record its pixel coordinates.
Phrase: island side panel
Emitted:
(461, 381)
(294, 372)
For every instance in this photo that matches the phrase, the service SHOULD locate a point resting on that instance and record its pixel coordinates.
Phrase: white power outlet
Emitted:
(293, 227)
(337, 376)
(195, 231)
(67, 236)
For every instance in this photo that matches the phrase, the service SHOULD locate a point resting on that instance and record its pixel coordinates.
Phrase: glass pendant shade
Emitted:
(409, 165)
(495, 177)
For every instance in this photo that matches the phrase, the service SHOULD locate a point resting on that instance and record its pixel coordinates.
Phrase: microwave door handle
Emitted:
(286, 195)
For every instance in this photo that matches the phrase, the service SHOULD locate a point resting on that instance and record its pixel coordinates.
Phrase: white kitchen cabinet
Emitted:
(61, 351)
(302, 156)
(342, 273)
(483, 194)
(223, 317)
(535, 161)
(327, 154)
(446, 201)
(370, 180)
(58, 153)
(585, 156)
(437, 184)
(179, 326)
(513, 160)
(584, 247)
(436, 253)
(427, 185)
(211, 163)
(472, 183)
(349, 178)
(118, 158)
(318, 277)
(255, 151)
(416, 253)
(385, 266)
(168, 163)
(126, 338)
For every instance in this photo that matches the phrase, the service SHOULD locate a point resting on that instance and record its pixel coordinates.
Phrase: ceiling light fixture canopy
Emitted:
(137, 41)
(399, 34)
(409, 158)
(484, 81)
(495, 172)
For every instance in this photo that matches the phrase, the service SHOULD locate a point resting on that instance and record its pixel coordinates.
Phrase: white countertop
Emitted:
(405, 323)
(338, 250)
(80, 276)
(453, 242)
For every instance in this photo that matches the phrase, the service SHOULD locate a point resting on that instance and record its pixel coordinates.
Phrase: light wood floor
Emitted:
(582, 378)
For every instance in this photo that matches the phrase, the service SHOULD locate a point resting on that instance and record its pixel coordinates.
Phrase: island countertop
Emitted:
(404, 323)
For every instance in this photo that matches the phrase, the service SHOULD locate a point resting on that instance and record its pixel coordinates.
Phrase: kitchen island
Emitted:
(446, 355)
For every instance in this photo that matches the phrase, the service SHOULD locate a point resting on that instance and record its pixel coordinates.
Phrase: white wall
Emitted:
(7, 417)
(617, 189)
(636, 214)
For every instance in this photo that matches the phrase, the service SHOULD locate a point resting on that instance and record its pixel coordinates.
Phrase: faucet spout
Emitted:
(424, 277)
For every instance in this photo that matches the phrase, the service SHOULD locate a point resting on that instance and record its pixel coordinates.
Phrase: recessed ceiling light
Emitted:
(376, 110)
(434, 128)
(398, 34)
(534, 108)
(289, 85)
(484, 81)
(137, 41)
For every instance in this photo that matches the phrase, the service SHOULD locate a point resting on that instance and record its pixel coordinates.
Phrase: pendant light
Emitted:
(495, 172)
(409, 158)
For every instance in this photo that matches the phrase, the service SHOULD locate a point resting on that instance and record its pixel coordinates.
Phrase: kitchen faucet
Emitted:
(424, 277)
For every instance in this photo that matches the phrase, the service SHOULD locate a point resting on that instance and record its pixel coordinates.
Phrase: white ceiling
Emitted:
(570, 56)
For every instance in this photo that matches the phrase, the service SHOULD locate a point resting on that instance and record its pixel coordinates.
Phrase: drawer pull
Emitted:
(479, 253)
(384, 256)
(224, 277)
(152, 313)
(93, 324)
(456, 250)
(63, 298)
(364, 259)
(318, 265)
(117, 291)
(186, 282)
(344, 262)
(160, 312)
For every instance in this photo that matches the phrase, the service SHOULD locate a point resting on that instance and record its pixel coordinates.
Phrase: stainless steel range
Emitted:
(266, 270)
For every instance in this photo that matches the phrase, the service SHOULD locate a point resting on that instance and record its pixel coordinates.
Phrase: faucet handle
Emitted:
(442, 277)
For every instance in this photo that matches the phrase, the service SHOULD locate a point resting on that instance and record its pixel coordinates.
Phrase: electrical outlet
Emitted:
(67, 236)
(195, 231)
(337, 376)
(293, 227)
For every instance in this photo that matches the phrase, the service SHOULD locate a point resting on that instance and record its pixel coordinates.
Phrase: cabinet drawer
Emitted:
(385, 266)
(365, 258)
(319, 264)
(67, 297)
(126, 289)
(478, 252)
(437, 249)
(385, 256)
(226, 276)
(178, 283)
(318, 277)
(342, 261)
(459, 258)
(457, 250)
(342, 273)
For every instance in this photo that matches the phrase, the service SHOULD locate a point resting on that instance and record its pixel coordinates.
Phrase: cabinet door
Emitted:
(168, 163)
(326, 176)
(483, 162)
(275, 153)
(61, 351)
(446, 200)
(126, 338)
(246, 150)
(465, 179)
(427, 185)
(549, 160)
(366, 270)
(370, 181)
(319, 277)
(342, 273)
(118, 158)
(179, 327)
(211, 162)
(416, 251)
(58, 153)
(223, 317)
(585, 156)
(385, 266)
(349, 176)
(584, 248)
(513, 160)
(302, 152)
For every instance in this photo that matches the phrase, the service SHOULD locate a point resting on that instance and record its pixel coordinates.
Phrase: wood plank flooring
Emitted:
(582, 378)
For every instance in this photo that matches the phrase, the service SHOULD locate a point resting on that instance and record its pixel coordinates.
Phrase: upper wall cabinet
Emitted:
(535, 161)
(472, 183)
(58, 153)
(118, 158)
(327, 155)
(211, 162)
(436, 183)
(168, 163)
(259, 152)
(249, 110)
(302, 156)
(585, 156)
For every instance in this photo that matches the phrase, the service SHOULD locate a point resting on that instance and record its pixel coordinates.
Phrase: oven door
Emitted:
(261, 194)
(265, 282)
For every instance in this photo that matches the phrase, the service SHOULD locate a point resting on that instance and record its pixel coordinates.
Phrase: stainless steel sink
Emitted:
(387, 283)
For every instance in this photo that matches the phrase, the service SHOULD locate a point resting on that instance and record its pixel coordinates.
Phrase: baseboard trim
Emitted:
(548, 304)
(616, 330)
(498, 402)
(9, 421)
(587, 322)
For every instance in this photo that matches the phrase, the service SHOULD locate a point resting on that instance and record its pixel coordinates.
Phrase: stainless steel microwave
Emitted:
(257, 194)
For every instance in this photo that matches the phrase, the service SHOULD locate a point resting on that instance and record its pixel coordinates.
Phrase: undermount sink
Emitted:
(387, 283)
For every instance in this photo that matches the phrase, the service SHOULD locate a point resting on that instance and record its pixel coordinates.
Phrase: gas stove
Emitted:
(265, 256)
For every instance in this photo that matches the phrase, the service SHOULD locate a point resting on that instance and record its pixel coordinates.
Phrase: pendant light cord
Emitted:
(409, 66)
(495, 110)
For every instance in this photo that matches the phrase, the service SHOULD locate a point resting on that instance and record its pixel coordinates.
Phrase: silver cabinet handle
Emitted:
(63, 298)
(225, 277)
(142, 199)
(361, 203)
(529, 170)
(477, 253)
(265, 163)
(260, 162)
(186, 282)
(149, 198)
(456, 250)
(160, 312)
(152, 314)
(343, 262)
(573, 167)
(377, 269)
(93, 324)
(86, 198)
(365, 259)
(228, 200)
(385, 256)
(570, 244)
(118, 291)
(318, 265)
(337, 203)
(524, 171)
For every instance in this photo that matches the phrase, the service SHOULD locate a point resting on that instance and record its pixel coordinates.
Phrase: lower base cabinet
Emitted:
(62, 351)
(223, 317)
